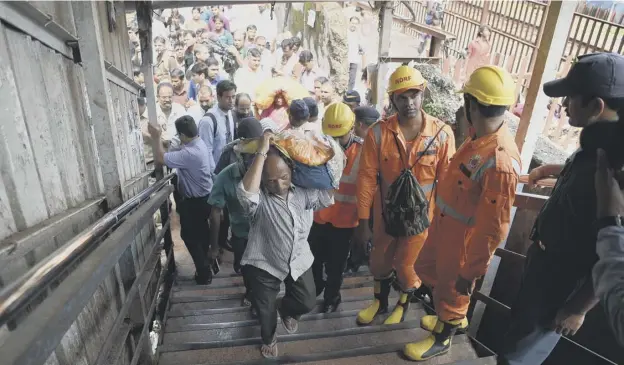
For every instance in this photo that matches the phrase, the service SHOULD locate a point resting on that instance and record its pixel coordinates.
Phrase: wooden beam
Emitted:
(384, 50)
(551, 46)
(98, 94)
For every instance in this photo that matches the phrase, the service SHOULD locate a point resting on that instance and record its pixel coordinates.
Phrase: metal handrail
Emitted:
(28, 286)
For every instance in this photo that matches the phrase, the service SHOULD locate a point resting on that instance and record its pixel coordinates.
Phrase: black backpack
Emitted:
(405, 207)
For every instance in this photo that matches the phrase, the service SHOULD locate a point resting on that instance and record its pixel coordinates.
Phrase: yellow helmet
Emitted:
(406, 78)
(338, 120)
(491, 85)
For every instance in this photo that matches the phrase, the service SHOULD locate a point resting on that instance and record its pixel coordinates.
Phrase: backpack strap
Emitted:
(427, 147)
(214, 123)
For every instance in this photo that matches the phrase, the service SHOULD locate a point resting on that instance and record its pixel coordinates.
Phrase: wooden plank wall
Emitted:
(49, 163)
(51, 182)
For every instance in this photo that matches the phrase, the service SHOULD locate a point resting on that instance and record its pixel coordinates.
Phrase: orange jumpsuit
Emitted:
(380, 153)
(472, 217)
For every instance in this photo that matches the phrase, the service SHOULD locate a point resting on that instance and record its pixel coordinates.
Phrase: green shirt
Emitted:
(224, 194)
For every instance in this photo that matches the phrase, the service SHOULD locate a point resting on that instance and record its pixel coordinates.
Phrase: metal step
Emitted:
(234, 305)
(313, 325)
(189, 320)
(202, 292)
(222, 280)
(369, 348)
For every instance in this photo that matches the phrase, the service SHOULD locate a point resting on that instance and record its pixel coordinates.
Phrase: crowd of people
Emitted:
(433, 213)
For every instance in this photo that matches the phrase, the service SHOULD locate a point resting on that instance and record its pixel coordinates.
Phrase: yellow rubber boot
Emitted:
(380, 303)
(438, 343)
(400, 310)
(428, 323)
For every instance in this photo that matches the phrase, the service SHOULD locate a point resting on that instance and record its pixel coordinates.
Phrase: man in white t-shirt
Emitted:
(355, 50)
(167, 112)
(249, 77)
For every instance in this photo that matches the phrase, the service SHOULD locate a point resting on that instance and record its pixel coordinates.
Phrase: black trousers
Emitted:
(330, 247)
(547, 283)
(194, 230)
(299, 298)
(238, 246)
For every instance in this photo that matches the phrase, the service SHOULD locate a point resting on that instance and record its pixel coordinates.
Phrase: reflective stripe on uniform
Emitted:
(478, 174)
(448, 210)
(353, 174)
(377, 133)
(427, 188)
(345, 198)
(443, 136)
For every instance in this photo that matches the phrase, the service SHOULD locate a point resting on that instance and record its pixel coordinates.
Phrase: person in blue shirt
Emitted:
(194, 170)
(204, 74)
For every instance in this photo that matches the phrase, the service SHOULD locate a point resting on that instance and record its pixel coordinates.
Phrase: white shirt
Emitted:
(197, 112)
(308, 77)
(168, 124)
(354, 47)
(248, 81)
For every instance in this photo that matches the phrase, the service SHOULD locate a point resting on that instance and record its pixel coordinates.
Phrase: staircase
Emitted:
(208, 325)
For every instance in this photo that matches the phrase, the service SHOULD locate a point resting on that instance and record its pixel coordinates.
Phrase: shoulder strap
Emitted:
(214, 123)
(427, 147)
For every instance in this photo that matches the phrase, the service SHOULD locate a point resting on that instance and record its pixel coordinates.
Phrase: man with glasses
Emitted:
(167, 112)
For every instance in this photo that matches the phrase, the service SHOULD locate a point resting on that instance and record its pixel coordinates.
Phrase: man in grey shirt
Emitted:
(277, 249)
(194, 170)
(608, 273)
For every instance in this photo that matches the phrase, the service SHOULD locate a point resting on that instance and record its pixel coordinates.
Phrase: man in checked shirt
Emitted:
(277, 250)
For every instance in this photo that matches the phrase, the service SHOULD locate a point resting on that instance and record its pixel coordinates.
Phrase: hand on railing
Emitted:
(545, 183)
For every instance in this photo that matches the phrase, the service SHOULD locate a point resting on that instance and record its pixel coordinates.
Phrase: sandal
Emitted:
(269, 351)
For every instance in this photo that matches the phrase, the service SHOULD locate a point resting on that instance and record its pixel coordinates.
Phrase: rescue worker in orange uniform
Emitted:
(330, 236)
(473, 209)
(409, 139)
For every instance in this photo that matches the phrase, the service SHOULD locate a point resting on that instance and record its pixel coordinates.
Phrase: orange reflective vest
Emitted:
(343, 214)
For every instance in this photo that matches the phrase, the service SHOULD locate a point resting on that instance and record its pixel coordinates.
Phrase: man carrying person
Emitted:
(277, 250)
(557, 290)
(411, 141)
(194, 184)
(330, 236)
(472, 210)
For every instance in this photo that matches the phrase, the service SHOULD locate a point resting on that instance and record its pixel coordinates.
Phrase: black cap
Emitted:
(596, 74)
(351, 97)
(366, 114)
(312, 106)
(249, 128)
(299, 110)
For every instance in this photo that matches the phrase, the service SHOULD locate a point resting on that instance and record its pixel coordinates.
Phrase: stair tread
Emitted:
(228, 300)
(217, 335)
(233, 279)
(360, 349)
(187, 321)
(200, 292)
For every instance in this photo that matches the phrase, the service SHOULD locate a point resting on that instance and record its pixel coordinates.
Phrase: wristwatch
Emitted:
(613, 220)
(262, 154)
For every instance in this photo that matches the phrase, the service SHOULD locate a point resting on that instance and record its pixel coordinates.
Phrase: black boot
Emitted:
(379, 305)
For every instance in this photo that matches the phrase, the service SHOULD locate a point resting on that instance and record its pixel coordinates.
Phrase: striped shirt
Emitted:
(278, 235)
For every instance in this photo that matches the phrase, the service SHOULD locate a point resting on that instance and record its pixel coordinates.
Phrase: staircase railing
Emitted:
(531, 202)
(100, 290)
